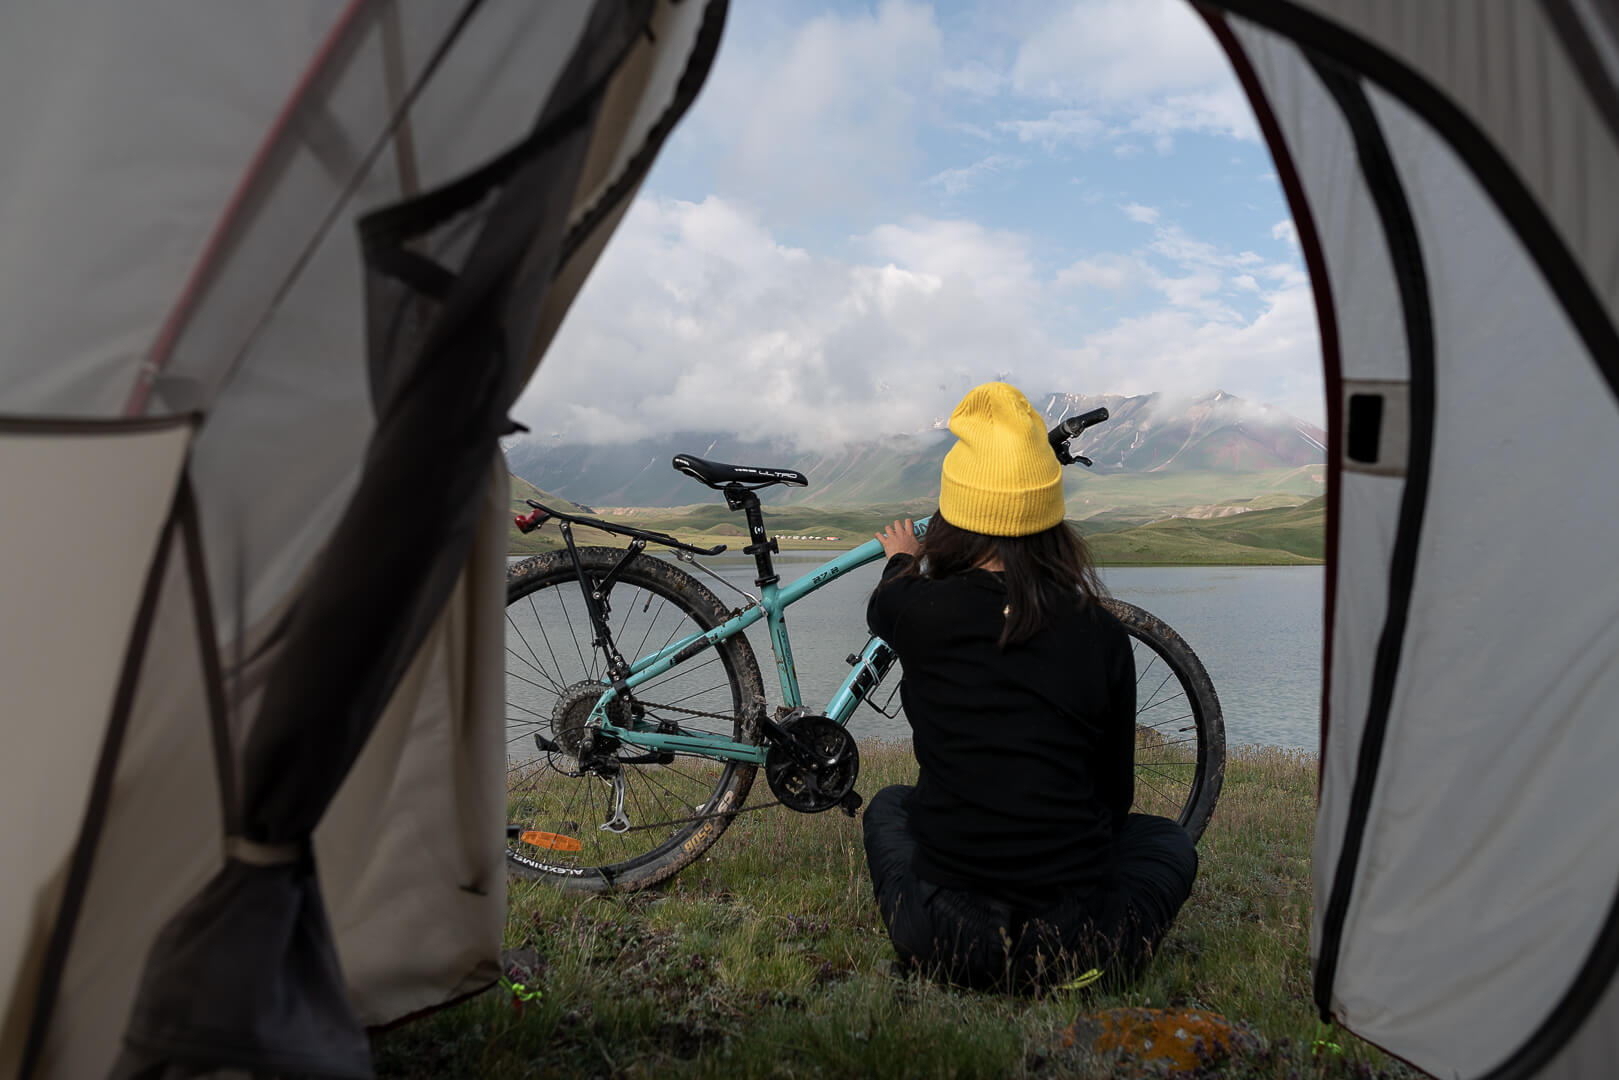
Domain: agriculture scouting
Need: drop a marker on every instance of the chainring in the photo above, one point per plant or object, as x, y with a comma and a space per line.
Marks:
572, 710
813, 786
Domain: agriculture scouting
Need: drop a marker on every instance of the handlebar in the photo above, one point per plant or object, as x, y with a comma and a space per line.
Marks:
1069, 429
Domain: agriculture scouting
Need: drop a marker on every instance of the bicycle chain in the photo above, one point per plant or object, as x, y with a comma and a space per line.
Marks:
648, 706
682, 709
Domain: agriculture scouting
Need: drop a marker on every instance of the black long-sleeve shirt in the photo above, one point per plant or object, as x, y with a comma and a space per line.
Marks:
1027, 754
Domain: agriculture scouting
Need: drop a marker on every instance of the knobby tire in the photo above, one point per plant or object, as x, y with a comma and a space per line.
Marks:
549, 655
1180, 732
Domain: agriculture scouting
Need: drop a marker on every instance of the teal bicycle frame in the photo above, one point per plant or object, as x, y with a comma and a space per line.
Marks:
874, 660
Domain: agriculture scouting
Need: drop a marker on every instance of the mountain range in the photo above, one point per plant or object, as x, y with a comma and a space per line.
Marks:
1153, 450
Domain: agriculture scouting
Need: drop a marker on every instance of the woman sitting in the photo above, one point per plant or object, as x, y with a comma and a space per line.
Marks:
1015, 860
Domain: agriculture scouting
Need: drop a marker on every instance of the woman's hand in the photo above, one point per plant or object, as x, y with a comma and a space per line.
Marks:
899, 538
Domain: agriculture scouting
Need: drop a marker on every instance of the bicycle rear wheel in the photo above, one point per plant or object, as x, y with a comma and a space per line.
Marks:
554, 675
1180, 733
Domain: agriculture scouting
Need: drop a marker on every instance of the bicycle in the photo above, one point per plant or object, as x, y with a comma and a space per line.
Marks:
642, 759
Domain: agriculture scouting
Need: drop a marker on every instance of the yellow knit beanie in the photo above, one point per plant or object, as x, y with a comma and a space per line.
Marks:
1001, 478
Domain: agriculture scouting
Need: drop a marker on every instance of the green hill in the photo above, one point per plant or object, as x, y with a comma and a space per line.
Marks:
1106, 502
1275, 535
795, 528
1279, 536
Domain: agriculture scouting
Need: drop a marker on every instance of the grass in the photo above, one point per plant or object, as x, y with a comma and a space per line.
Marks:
1114, 500
1287, 535
1271, 535
766, 958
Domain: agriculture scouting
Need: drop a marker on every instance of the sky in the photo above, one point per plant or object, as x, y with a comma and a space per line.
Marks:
873, 207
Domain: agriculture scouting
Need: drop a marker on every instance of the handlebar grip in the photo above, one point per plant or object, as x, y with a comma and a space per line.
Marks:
1072, 426
1076, 424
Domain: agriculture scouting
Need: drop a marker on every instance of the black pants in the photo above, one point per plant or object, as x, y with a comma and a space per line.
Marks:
976, 941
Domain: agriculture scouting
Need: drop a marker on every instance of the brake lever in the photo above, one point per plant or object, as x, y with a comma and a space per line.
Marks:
1066, 458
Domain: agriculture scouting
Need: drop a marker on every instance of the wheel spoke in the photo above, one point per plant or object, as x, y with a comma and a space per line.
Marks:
651, 609
1155, 693
1176, 776
550, 650
534, 666
1160, 725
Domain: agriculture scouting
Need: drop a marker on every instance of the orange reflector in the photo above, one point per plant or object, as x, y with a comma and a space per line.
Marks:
554, 841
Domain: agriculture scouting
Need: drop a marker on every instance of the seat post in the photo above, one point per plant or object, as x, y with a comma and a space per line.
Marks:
738, 497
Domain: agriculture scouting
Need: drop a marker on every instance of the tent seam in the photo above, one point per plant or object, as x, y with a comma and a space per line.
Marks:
1572, 35
95, 814
208, 648
1519, 207
1405, 256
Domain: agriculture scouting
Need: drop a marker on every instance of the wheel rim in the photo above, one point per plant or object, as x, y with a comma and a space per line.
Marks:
1169, 745
555, 818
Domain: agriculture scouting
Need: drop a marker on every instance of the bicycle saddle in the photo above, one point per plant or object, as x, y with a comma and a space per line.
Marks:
717, 474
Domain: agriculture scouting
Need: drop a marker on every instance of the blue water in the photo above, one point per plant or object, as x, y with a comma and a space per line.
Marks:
1256, 629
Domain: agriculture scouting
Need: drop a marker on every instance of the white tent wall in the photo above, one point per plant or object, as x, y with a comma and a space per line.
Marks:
1359, 285
179, 199
1476, 932
71, 587
1496, 806
159, 838
278, 460
1502, 65
112, 208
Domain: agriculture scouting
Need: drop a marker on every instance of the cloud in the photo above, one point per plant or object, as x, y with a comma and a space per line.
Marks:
1285, 231
1228, 319
1078, 127
822, 113
1136, 212
968, 177
1149, 67
974, 77
698, 318
1112, 272
996, 265
1274, 358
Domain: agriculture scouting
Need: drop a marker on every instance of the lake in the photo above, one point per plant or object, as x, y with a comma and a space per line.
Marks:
1257, 630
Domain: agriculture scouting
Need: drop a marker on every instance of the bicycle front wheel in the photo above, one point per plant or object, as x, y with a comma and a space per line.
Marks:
1180, 733
558, 813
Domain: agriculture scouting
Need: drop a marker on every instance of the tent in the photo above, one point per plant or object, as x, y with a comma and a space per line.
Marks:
272, 276
1453, 170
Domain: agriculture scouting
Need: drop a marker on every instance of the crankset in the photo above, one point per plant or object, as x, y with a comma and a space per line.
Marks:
813, 768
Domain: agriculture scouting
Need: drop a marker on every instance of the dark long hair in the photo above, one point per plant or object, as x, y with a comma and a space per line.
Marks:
1043, 571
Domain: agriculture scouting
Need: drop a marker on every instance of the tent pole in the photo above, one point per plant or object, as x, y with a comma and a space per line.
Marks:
261, 170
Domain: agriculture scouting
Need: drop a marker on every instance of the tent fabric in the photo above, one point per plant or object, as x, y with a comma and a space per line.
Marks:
331, 241
81, 600
274, 276
1456, 162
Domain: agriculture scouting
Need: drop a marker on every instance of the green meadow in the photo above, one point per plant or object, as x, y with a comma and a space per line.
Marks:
1267, 529
767, 959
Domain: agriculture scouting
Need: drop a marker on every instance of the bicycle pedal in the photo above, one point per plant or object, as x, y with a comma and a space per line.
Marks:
850, 803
